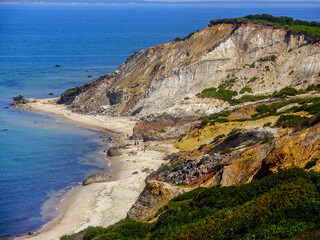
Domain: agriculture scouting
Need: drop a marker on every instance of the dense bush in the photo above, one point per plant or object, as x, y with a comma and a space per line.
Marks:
221, 93
298, 25
284, 92
311, 163
281, 206
246, 89
290, 120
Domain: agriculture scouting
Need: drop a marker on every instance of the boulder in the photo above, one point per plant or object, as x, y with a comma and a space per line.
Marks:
97, 177
20, 99
113, 151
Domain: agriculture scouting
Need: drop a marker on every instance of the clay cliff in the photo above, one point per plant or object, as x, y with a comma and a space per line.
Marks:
167, 78
239, 99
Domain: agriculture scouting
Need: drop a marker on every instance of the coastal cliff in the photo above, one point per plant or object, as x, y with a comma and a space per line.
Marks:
240, 100
167, 78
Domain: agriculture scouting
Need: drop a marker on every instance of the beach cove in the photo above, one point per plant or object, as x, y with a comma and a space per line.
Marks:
103, 203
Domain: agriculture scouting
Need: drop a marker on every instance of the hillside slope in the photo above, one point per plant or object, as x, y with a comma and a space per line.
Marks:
168, 77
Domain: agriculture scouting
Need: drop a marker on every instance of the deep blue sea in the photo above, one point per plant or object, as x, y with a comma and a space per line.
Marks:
41, 156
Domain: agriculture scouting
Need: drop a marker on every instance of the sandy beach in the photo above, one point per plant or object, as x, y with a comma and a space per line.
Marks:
102, 204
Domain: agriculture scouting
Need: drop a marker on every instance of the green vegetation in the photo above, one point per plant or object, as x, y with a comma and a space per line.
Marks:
220, 93
311, 163
246, 89
252, 79
72, 89
268, 58
267, 68
314, 87
226, 151
252, 65
268, 124
290, 120
202, 146
218, 137
178, 39
290, 50
281, 206
182, 184
163, 168
297, 25
285, 92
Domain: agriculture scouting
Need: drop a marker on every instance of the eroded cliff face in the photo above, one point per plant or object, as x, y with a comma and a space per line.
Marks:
167, 78
206, 168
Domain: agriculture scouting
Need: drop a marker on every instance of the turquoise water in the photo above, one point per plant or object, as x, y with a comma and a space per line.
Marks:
40, 156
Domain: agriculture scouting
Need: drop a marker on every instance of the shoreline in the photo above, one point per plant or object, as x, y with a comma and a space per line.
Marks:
103, 203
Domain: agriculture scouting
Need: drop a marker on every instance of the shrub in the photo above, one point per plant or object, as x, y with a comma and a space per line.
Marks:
163, 168
287, 91
291, 72
220, 93
268, 58
252, 79
313, 87
267, 68
246, 89
268, 124
289, 120
218, 137
204, 122
252, 65
202, 146
182, 184
290, 50
311, 163
226, 151
221, 120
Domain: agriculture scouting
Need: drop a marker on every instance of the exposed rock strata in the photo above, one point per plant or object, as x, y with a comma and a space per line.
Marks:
167, 77
155, 195
240, 166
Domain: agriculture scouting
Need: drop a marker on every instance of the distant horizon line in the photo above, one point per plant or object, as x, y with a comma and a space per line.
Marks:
232, 2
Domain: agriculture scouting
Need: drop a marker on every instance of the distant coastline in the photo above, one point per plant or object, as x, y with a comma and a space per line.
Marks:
125, 2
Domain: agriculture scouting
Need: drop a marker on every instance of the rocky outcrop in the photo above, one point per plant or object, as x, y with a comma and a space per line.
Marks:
113, 151
162, 127
168, 77
94, 178
18, 100
154, 196
69, 96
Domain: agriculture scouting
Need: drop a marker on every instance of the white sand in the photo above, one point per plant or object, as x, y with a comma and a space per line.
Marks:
102, 204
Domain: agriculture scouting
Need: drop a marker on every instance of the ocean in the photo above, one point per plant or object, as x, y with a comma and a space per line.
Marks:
43, 157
